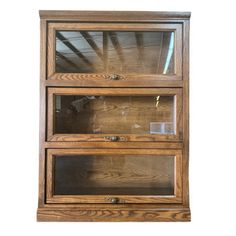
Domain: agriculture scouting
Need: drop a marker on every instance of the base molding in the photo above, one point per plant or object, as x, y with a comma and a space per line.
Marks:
106, 215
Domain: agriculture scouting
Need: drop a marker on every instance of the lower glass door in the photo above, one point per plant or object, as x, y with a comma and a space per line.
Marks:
113, 176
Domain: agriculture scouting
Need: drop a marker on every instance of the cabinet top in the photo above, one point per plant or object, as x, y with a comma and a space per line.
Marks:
113, 16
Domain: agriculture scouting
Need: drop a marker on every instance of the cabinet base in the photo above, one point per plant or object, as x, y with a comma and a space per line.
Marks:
62, 214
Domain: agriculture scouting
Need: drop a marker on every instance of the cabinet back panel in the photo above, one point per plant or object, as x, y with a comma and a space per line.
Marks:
110, 114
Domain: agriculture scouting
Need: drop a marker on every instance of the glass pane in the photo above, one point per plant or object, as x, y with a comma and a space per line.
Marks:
114, 114
117, 174
115, 52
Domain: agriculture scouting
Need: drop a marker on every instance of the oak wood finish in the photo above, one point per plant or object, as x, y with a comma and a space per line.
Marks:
114, 16
101, 78
42, 111
132, 207
186, 113
113, 114
117, 215
52, 136
120, 145
176, 198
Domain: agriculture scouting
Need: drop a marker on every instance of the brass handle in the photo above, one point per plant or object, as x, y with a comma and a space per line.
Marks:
114, 200
114, 77
113, 138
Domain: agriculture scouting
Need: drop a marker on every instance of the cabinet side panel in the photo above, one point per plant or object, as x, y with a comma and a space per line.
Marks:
42, 127
186, 112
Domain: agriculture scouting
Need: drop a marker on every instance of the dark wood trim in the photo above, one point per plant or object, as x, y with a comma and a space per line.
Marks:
95, 206
123, 138
186, 113
122, 145
176, 198
42, 118
112, 16
105, 215
103, 79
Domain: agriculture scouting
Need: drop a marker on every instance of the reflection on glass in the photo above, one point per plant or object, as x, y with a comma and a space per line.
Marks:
115, 52
116, 174
114, 114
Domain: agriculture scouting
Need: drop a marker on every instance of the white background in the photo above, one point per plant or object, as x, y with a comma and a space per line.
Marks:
213, 132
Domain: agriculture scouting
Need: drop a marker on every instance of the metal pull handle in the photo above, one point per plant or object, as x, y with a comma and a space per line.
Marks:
114, 200
114, 77
113, 138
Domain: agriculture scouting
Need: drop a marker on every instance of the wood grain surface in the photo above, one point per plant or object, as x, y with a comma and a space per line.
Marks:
114, 215
170, 109
109, 114
113, 16
147, 76
98, 174
129, 207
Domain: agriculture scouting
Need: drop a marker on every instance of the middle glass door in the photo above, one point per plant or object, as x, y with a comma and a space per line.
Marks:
81, 114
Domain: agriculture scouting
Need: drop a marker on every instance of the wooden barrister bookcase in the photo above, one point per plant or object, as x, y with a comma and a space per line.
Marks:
114, 126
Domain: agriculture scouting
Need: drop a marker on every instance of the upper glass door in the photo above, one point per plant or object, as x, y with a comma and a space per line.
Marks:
114, 54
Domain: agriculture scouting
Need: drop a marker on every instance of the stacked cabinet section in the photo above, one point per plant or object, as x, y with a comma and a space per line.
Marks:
114, 114
114, 176
114, 54
114, 126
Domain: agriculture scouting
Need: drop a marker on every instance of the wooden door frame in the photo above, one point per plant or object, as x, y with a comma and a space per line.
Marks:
102, 79
51, 198
176, 92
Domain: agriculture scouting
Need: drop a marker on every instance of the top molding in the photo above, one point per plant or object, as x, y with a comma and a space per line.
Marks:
113, 16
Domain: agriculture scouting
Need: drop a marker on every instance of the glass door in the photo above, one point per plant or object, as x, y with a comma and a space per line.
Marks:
113, 176
114, 54
114, 115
